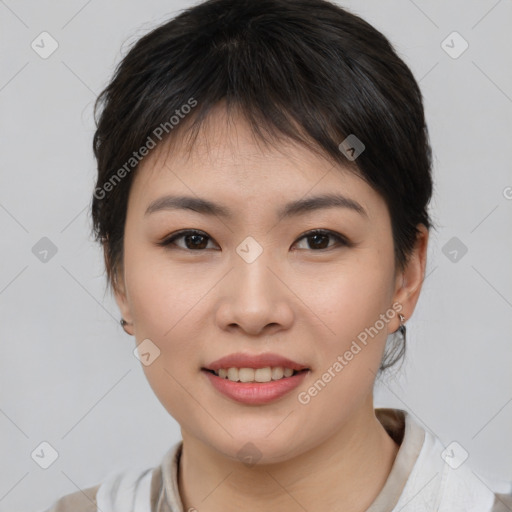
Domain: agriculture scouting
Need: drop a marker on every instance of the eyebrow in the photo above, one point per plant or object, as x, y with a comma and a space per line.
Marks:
293, 208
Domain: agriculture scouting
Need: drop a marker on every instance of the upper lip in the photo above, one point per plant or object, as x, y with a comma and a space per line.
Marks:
241, 360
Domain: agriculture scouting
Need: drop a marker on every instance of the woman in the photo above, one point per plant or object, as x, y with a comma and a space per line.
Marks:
264, 172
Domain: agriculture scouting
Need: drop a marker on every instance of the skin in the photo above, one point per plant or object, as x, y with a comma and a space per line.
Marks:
302, 302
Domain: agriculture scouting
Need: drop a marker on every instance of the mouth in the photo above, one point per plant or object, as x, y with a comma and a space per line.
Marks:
254, 379
255, 375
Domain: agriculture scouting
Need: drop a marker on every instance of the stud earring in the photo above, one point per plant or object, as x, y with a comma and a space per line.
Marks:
123, 323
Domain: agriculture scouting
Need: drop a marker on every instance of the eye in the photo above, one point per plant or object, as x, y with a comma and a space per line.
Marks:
194, 240
320, 236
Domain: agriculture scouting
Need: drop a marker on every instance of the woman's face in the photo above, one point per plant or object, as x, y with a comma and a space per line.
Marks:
252, 283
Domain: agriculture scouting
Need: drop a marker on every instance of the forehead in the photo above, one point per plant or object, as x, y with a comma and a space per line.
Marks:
230, 163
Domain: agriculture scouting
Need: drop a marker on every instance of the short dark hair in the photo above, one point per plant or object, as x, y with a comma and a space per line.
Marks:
306, 70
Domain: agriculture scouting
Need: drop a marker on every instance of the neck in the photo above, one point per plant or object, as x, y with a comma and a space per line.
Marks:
345, 472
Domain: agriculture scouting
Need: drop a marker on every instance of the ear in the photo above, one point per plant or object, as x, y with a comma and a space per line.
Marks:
410, 280
122, 300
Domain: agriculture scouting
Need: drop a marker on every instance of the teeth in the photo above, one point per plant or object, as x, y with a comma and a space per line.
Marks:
266, 374
245, 374
233, 374
277, 373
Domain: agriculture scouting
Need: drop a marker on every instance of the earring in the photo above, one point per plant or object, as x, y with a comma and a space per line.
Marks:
402, 327
123, 322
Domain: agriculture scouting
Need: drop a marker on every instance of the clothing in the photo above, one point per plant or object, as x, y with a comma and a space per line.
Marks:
420, 480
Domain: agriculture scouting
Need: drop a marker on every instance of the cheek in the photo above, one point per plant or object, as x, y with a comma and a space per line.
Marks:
161, 294
348, 357
164, 300
350, 298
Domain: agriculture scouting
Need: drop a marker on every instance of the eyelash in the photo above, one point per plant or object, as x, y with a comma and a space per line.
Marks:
181, 234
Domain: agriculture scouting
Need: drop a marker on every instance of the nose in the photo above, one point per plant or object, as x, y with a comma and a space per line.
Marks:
255, 298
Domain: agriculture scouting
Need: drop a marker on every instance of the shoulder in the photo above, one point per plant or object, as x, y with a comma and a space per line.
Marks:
502, 503
145, 487
80, 501
133, 485
442, 479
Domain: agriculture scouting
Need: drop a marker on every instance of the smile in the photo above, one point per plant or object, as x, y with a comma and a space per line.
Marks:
252, 392
266, 374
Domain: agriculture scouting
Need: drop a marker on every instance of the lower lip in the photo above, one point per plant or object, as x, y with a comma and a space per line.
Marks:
255, 393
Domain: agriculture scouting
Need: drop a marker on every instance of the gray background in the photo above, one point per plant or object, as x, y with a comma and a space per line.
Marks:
67, 372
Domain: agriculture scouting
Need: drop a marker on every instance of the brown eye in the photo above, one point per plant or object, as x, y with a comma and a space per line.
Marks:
319, 239
193, 240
